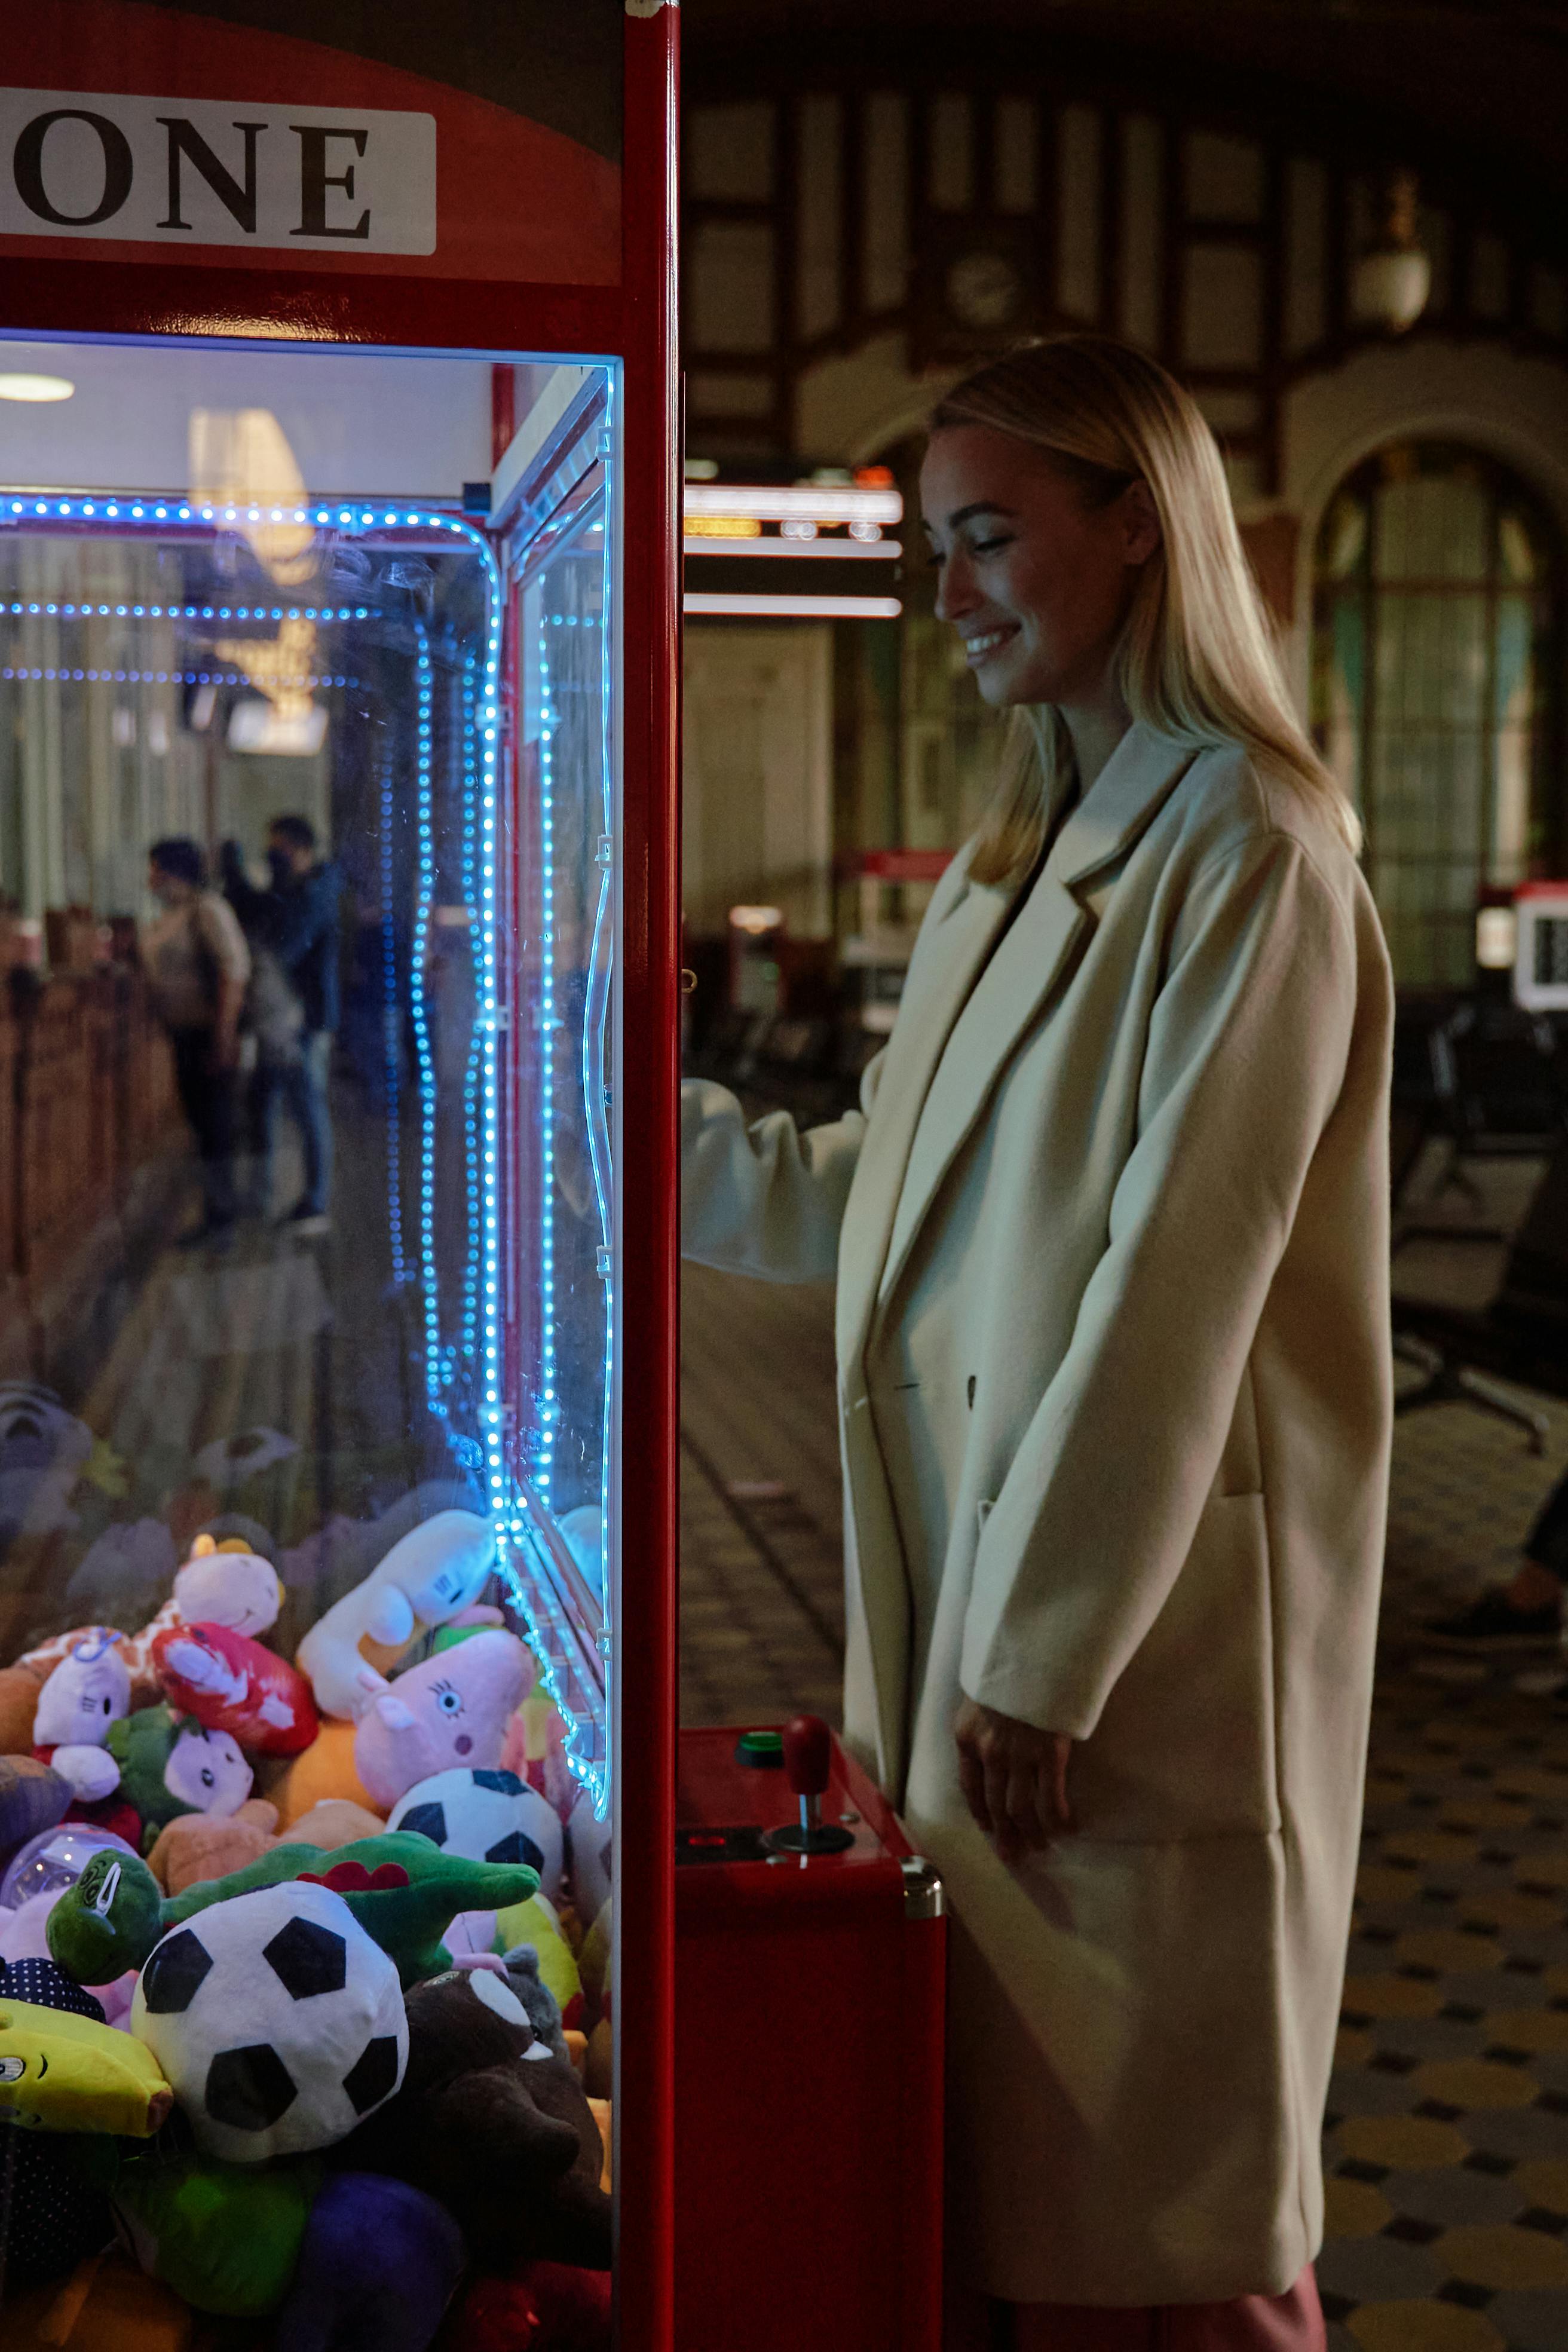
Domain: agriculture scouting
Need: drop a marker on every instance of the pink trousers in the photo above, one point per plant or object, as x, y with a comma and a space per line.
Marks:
1292, 2322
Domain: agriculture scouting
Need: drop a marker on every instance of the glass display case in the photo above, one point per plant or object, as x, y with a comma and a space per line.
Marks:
338, 986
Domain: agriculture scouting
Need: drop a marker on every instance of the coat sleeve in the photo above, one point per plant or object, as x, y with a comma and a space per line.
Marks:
764, 1199
1245, 1053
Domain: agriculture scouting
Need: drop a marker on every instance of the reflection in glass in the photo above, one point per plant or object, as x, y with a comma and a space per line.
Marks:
321, 1372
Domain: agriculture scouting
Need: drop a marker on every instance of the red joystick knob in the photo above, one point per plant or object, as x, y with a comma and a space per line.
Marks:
808, 1762
808, 1754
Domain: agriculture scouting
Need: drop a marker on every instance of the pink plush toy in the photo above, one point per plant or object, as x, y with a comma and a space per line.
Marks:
454, 1709
231, 1683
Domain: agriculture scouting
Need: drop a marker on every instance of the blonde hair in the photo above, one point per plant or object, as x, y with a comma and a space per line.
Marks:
1196, 659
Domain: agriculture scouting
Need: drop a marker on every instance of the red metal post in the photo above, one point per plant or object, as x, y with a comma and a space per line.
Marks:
651, 900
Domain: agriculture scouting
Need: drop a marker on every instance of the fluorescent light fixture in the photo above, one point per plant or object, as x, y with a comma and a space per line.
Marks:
799, 551
813, 504
36, 388
290, 734
792, 608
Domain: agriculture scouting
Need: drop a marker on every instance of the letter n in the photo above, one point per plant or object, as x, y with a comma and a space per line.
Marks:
188, 145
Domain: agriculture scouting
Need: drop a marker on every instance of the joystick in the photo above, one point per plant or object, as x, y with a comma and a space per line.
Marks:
808, 1761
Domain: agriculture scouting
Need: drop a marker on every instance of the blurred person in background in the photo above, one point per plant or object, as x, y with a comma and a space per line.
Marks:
197, 967
293, 924
1110, 1235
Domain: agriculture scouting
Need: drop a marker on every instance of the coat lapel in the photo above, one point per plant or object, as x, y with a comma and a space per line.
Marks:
1040, 949
951, 951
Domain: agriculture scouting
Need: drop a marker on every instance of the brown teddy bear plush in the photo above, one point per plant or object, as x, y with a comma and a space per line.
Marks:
494, 2126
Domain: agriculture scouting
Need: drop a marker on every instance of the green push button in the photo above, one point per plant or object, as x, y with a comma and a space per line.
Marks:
763, 1749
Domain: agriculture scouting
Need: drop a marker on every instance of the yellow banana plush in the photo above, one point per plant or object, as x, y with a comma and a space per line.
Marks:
63, 2073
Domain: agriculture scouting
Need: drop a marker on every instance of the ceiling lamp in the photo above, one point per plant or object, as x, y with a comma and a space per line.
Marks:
35, 387
1392, 280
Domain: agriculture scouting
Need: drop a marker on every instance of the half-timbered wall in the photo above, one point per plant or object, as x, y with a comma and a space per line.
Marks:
926, 225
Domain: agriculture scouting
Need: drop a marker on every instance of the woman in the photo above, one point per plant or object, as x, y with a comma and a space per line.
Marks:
1114, 1384
197, 965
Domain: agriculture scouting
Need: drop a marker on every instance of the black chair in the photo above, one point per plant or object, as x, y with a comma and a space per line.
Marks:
1522, 1335
1488, 1080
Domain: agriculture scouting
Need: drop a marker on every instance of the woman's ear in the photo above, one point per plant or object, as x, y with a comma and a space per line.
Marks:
1141, 523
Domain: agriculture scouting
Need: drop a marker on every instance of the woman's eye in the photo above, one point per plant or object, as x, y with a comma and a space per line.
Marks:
989, 546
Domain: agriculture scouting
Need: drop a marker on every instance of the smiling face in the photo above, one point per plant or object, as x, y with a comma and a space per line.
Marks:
1035, 577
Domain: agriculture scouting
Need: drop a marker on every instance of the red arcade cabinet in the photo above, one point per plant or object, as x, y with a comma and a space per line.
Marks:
338, 483
338, 1174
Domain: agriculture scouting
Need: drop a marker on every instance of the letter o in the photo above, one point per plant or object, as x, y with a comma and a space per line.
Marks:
27, 167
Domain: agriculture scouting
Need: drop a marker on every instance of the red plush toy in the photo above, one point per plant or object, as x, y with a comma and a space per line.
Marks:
547, 2307
231, 1683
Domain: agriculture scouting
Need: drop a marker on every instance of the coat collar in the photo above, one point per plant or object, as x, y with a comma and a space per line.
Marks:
1123, 800
930, 1100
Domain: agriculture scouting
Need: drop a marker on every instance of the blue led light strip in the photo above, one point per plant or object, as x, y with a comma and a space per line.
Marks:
471, 1073
549, 1403
391, 1027
437, 1371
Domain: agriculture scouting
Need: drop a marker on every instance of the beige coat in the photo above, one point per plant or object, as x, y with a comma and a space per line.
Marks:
1110, 1238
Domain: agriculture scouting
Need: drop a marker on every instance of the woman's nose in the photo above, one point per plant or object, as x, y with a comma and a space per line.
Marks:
955, 589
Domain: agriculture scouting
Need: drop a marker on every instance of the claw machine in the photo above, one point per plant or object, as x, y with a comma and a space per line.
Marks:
338, 1048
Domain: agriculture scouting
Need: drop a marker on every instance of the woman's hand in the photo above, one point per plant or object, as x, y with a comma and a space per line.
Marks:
1015, 1780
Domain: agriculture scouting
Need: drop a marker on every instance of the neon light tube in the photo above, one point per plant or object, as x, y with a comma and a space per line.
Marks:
792, 608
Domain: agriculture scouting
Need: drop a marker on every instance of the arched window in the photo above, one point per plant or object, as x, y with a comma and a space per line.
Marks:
1435, 637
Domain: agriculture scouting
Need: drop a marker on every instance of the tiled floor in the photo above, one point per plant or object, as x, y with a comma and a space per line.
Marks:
1448, 2141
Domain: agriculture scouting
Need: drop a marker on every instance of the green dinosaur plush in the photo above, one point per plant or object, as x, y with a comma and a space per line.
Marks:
402, 1889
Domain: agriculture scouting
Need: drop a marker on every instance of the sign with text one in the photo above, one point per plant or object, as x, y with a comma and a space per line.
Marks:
185, 172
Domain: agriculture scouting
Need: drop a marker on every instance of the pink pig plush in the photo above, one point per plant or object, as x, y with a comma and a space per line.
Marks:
452, 1710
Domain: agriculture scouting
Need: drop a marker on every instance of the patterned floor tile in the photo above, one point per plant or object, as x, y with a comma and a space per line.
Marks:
1377, 2269
1531, 2320
1424, 2327
1448, 2196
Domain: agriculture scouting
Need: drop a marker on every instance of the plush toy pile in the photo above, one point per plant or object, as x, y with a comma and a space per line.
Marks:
303, 1975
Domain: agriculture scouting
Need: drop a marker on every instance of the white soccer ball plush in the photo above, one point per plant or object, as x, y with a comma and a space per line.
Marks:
278, 2025
486, 1816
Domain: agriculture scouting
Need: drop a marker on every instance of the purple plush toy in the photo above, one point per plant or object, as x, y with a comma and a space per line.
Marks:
377, 2269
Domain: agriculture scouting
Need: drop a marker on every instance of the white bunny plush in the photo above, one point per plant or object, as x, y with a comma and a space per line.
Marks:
87, 1692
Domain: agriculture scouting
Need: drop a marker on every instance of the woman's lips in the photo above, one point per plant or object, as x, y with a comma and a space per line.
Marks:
980, 648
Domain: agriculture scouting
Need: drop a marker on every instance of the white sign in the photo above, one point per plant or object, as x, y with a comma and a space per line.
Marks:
187, 171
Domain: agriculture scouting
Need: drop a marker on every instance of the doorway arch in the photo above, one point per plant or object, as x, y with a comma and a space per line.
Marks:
1436, 651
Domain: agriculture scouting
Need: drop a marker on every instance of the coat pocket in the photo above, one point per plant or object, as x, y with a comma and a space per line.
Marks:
1185, 1744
